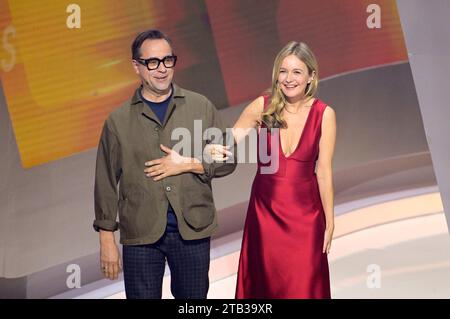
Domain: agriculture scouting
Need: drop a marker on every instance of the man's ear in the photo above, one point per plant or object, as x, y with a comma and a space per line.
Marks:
135, 66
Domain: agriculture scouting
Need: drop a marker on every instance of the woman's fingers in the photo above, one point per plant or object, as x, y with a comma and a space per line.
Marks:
218, 152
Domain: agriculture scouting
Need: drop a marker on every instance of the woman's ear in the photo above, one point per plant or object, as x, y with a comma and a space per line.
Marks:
313, 74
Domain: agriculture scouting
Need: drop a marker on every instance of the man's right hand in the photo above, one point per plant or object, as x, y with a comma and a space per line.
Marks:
109, 255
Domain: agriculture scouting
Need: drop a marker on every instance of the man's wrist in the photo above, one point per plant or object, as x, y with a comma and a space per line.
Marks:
193, 165
106, 237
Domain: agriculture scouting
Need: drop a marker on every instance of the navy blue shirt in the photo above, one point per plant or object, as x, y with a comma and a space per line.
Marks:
160, 110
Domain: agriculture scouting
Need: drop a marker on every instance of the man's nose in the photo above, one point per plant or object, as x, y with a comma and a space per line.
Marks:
161, 68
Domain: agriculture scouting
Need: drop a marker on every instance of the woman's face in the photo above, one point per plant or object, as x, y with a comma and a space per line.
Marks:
293, 77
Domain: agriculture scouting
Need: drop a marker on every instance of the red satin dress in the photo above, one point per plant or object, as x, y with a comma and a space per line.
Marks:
281, 254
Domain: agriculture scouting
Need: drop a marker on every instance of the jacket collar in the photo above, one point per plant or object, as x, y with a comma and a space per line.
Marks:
177, 96
177, 93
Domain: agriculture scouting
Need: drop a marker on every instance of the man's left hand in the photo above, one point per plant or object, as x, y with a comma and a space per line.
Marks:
169, 165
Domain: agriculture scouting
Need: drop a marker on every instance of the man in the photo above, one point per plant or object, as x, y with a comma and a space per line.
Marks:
164, 199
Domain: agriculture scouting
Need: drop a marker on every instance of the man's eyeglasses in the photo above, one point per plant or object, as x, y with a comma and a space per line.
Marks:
153, 63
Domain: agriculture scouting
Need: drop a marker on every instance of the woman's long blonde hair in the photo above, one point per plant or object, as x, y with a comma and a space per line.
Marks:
272, 117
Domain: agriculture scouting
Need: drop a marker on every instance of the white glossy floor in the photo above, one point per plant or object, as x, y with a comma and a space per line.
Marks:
399, 248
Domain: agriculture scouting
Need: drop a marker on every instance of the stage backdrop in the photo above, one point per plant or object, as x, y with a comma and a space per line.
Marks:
72, 64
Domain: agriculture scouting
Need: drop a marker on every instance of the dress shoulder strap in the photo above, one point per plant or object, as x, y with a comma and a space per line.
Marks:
321, 106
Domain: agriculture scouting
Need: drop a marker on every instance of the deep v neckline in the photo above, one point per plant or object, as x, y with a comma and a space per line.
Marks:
301, 134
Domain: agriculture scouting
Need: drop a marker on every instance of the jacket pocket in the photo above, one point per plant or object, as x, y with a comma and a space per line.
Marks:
132, 214
198, 207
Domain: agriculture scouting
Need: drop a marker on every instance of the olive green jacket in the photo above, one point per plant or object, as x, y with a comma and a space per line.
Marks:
131, 136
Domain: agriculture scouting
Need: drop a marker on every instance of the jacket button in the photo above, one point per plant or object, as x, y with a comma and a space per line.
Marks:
157, 129
168, 188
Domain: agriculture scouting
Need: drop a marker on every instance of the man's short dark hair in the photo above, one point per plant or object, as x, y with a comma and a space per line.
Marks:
152, 34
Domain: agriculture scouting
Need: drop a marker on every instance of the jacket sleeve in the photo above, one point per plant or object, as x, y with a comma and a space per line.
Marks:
107, 176
218, 169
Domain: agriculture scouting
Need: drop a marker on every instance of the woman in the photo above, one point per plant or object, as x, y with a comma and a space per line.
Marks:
289, 224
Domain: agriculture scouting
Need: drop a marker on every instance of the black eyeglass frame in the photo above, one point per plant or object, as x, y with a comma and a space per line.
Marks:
163, 60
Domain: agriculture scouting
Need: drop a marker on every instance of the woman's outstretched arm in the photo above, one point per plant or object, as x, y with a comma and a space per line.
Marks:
249, 119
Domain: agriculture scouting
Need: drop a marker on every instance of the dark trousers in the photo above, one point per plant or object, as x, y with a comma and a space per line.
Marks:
144, 265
